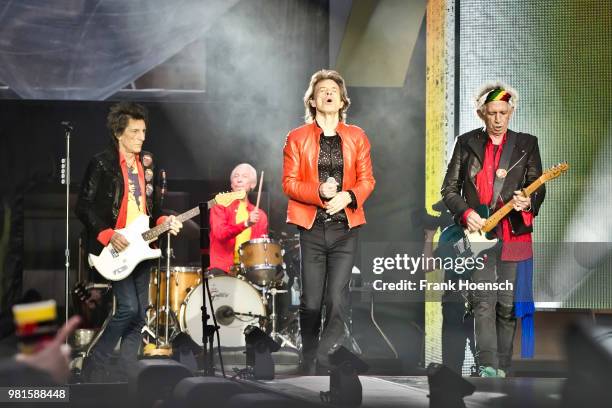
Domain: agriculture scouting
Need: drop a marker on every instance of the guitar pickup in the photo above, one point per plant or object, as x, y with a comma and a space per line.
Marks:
463, 248
113, 252
119, 270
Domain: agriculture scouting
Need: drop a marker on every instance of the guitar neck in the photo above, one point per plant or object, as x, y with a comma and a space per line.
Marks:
498, 215
155, 232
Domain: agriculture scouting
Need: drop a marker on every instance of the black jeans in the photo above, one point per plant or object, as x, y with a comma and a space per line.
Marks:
132, 297
494, 320
328, 255
457, 327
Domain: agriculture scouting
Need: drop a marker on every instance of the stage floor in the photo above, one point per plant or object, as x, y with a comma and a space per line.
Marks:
378, 392
383, 392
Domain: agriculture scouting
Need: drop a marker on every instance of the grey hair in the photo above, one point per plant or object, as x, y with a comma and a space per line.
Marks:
481, 95
251, 170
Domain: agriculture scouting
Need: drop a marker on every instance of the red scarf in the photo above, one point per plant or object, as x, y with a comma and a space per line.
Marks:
486, 177
515, 247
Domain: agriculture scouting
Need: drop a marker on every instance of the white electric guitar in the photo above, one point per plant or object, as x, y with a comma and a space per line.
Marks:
115, 265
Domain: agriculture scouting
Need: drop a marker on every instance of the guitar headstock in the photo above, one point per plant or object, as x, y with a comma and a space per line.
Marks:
554, 171
226, 199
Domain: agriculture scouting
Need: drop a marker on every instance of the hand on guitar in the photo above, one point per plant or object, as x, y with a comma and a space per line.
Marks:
175, 225
520, 202
474, 221
119, 242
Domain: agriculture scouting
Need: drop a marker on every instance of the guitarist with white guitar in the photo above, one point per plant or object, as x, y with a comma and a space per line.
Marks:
489, 168
119, 190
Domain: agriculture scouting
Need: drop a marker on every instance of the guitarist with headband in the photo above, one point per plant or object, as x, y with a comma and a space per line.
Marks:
490, 166
119, 186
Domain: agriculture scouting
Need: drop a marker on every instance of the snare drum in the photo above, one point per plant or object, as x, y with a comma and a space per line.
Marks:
182, 280
236, 303
262, 261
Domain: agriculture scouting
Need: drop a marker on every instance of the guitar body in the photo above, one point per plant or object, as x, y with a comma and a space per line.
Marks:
459, 242
116, 266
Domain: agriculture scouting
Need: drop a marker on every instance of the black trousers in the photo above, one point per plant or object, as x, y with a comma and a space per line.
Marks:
457, 326
494, 320
328, 255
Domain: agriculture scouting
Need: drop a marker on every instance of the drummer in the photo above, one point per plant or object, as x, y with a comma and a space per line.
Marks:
235, 224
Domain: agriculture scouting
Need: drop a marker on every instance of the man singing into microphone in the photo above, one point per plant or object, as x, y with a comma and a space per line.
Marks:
327, 175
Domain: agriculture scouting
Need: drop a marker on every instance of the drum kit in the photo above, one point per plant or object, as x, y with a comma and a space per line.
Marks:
246, 296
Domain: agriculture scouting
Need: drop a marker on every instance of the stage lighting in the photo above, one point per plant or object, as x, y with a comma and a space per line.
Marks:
447, 388
259, 347
344, 385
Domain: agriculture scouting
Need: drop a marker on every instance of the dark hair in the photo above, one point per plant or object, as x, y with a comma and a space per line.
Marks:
119, 115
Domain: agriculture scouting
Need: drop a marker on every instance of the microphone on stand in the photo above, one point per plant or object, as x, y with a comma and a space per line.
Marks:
68, 126
65, 180
164, 186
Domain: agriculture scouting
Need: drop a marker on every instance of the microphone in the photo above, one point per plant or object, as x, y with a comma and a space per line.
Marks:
68, 126
332, 181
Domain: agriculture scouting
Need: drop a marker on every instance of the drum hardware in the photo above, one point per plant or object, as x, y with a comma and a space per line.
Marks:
84, 340
278, 337
163, 348
205, 360
91, 301
237, 305
183, 279
261, 259
81, 338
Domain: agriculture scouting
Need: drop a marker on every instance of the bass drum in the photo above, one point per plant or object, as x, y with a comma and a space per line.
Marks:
233, 301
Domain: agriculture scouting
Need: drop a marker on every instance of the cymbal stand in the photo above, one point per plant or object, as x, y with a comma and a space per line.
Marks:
163, 347
206, 361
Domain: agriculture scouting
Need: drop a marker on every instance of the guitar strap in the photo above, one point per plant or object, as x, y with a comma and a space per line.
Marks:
504, 162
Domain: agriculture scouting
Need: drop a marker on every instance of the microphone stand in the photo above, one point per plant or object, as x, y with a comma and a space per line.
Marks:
162, 195
65, 179
206, 362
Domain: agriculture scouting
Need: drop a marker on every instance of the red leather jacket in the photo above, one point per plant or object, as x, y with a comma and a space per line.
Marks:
301, 172
223, 231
